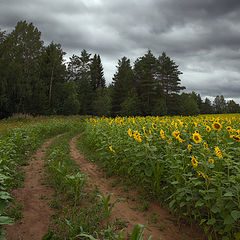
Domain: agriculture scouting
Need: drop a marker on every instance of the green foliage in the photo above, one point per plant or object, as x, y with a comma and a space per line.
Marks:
131, 105
144, 70
102, 102
123, 84
97, 75
189, 105
16, 145
206, 191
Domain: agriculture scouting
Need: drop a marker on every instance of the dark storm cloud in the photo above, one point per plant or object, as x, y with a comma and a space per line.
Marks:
202, 36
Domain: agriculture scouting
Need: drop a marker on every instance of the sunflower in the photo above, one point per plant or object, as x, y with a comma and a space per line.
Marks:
144, 131
180, 139
208, 128
197, 137
111, 149
217, 126
175, 133
189, 147
218, 152
211, 160
236, 138
228, 128
154, 126
162, 134
150, 131
194, 161
137, 136
130, 132
205, 145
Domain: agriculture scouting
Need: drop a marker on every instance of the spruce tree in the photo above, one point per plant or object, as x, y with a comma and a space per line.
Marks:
145, 71
123, 83
167, 75
97, 74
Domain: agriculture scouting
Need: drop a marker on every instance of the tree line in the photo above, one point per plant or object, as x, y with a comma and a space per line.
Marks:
35, 79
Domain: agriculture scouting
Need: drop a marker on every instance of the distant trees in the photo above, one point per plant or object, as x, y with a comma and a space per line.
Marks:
20, 68
35, 79
123, 86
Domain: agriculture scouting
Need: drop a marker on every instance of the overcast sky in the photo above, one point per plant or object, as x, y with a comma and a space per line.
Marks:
201, 36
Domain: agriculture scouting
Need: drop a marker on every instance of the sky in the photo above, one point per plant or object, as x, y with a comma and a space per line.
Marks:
201, 36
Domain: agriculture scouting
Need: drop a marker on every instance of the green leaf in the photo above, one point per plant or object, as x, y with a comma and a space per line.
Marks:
199, 203
148, 172
6, 220
228, 194
225, 238
215, 209
211, 221
182, 204
228, 220
237, 236
202, 221
172, 203
235, 214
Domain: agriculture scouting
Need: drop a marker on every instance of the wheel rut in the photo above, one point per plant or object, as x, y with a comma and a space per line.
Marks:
34, 196
164, 228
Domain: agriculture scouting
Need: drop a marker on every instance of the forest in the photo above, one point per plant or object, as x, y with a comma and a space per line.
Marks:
35, 79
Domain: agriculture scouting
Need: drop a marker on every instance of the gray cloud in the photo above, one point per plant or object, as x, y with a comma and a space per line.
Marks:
203, 37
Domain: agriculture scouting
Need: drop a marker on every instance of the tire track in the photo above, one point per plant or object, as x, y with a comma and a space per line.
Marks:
35, 197
164, 228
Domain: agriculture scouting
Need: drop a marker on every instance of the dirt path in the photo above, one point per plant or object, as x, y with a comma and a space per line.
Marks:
35, 197
164, 227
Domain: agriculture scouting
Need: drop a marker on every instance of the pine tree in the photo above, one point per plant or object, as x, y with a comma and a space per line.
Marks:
145, 71
167, 75
80, 72
97, 74
207, 107
198, 100
123, 83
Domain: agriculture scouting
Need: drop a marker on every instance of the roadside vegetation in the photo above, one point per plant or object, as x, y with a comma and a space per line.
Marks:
17, 144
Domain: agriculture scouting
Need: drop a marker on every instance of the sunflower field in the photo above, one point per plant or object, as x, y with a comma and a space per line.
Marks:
190, 163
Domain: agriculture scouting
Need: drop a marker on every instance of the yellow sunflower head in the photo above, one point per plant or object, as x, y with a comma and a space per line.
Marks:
197, 138
208, 128
194, 162
189, 147
154, 126
228, 128
111, 149
176, 133
205, 145
130, 132
137, 136
217, 126
211, 160
236, 138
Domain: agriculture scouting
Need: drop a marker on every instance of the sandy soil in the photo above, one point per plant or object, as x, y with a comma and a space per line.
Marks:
165, 228
35, 197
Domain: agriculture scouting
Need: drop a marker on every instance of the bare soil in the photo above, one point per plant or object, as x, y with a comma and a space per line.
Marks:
161, 223
34, 196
